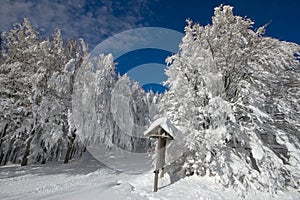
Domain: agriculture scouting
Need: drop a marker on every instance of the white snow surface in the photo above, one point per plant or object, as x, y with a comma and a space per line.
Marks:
88, 179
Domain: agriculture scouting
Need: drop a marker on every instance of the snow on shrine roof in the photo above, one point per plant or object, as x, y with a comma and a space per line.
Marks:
163, 123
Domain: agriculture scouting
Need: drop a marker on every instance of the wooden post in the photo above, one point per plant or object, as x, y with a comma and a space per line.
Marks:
160, 157
156, 172
160, 153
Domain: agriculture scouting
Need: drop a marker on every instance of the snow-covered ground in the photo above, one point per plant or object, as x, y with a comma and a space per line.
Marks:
88, 179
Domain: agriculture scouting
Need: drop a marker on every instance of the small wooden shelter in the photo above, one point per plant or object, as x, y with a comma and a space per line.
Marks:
162, 130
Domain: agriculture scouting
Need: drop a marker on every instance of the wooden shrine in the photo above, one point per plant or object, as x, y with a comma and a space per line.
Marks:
162, 130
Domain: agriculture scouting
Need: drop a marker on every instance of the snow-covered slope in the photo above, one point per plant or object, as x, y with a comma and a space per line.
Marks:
89, 179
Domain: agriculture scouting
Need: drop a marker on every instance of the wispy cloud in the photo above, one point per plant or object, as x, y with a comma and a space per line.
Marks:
92, 20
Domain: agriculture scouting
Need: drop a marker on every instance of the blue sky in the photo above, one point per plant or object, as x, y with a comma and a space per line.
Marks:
97, 20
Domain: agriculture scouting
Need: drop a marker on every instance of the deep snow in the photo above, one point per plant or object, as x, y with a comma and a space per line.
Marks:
87, 178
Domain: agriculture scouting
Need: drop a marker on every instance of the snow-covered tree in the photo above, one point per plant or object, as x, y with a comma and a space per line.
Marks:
37, 84
111, 110
234, 92
19, 53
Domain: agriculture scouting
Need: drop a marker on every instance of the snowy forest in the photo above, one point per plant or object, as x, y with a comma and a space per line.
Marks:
37, 86
234, 93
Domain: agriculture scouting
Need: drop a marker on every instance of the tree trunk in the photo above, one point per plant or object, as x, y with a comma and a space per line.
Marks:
3, 134
8, 152
73, 151
67, 158
70, 147
1, 157
26, 153
57, 157
14, 155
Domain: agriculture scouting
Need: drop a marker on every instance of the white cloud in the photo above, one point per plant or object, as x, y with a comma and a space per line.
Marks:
93, 20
